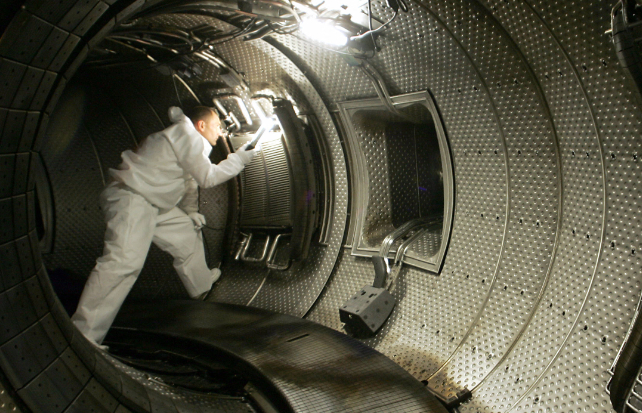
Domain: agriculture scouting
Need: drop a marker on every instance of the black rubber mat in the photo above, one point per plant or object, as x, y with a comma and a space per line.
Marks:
316, 369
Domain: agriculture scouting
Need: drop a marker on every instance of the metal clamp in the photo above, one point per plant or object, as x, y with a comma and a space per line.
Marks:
401, 252
270, 259
246, 247
383, 270
390, 239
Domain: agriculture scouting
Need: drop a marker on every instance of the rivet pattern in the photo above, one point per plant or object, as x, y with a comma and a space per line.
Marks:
6, 402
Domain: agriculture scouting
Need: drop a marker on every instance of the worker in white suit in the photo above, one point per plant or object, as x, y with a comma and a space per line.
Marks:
153, 198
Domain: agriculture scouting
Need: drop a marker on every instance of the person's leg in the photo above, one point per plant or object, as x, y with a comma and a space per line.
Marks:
175, 234
130, 228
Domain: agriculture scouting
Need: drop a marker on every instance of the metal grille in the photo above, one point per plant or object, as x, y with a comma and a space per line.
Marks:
267, 188
635, 399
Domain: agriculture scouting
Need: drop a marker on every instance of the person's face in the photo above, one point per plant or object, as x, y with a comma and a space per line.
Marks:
210, 129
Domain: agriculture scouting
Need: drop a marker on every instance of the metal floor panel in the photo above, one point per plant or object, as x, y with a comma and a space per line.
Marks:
313, 367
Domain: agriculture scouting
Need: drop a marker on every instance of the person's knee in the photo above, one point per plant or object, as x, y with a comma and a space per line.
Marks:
124, 264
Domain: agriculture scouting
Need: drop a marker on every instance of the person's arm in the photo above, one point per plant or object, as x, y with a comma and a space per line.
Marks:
189, 148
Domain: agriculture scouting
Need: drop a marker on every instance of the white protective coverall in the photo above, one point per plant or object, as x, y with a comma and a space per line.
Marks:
153, 191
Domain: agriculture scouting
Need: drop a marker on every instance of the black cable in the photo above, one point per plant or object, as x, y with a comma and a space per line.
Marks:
372, 32
280, 30
395, 5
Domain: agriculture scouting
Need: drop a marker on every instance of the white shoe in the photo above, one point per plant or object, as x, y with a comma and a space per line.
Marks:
99, 346
216, 274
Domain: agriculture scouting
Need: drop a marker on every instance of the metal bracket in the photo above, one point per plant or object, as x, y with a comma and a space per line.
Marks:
270, 259
246, 247
381, 264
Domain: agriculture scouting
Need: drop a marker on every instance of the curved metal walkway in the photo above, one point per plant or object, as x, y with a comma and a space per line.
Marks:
314, 368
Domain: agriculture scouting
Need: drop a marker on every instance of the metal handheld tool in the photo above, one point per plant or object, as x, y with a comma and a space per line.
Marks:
266, 126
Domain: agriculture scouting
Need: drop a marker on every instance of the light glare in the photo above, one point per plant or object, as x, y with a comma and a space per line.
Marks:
324, 33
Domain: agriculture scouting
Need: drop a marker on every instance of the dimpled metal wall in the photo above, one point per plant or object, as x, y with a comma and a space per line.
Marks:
542, 273
541, 276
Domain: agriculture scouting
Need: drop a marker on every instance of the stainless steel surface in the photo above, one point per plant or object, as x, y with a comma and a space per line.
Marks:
264, 252
370, 180
265, 68
267, 188
425, 247
294, 292
270, 261
542, 274
527, 196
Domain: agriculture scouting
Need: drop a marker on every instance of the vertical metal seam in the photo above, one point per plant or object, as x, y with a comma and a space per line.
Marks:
258, 290
603, 231
127, 124
160, 121
414, 140
508, 189
93, 146
560, 198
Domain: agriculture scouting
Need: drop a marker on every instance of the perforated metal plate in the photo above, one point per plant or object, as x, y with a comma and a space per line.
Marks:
545, 138
503, 253
376, 173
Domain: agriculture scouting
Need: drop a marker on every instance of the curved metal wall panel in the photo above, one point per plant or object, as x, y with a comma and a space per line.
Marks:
547, 349
542, 112
529, 233
293, 291
454, 299
587, 307
93, 124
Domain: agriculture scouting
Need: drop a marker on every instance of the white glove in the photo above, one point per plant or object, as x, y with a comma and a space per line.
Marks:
247, 156
199, 219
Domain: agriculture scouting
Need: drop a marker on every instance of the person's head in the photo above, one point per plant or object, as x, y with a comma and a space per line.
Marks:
206, 122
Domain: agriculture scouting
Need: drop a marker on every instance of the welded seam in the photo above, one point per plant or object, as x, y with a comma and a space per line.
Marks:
603, 232
160, 121
508, 193
267, 274
186, 86
93, 146
560, 204
131, 132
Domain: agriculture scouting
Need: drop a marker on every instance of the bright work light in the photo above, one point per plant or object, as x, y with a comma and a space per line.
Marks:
323, 32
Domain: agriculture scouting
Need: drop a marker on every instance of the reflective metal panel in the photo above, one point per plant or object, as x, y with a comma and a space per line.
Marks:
371, 189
